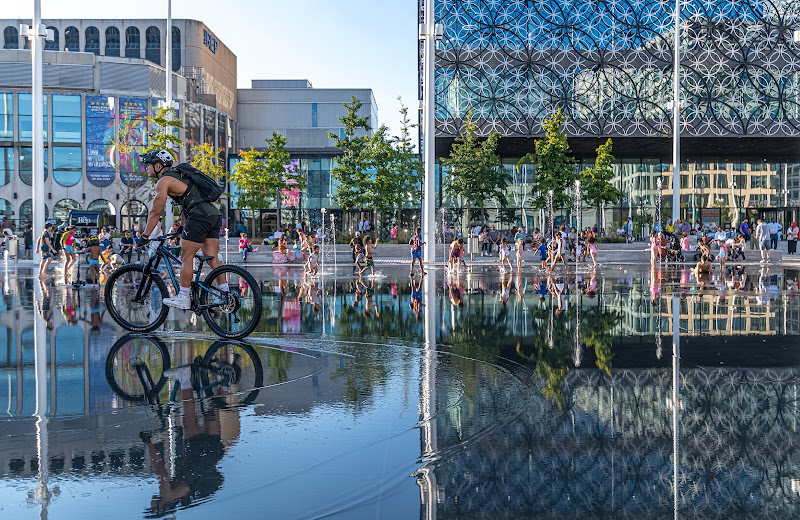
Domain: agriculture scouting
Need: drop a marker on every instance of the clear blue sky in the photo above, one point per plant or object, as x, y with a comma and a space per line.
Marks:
344, 43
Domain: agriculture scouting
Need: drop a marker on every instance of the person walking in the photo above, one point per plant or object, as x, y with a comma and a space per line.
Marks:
46, 246
791, 238
416, 244
393, 234
762, 235
774, 230
744, 229
27, 237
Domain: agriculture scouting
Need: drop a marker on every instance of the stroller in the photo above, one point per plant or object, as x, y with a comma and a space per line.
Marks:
674, 252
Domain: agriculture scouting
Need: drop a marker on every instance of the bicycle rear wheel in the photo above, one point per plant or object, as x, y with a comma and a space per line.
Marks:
236, 314
232, 368
139, 314
135, 367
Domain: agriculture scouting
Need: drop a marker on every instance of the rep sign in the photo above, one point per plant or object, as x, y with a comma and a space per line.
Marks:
209, 41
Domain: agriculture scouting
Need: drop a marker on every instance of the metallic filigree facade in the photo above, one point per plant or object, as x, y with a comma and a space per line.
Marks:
608, 65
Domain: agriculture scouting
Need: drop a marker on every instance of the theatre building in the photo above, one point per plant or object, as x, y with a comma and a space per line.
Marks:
102, 79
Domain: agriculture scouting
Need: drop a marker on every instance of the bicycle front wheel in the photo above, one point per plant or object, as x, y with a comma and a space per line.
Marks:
235, 314
232, 368
135, 367
134, 299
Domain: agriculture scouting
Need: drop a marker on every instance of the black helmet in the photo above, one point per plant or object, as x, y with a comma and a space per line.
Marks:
157, 156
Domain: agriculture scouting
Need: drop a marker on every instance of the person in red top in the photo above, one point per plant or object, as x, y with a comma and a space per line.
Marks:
416, 251
68, 239
244, 245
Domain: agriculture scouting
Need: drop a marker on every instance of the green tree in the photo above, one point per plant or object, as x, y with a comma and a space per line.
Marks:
595, 182
409, 169
555, 165
474, 170
206, 159
166, 126
261, 176
351, 170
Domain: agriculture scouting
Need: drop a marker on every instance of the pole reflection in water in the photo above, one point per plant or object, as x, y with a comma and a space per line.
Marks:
426, 477
42, 494
676, 405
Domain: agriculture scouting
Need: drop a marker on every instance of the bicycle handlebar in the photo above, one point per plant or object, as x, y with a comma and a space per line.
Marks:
164, 238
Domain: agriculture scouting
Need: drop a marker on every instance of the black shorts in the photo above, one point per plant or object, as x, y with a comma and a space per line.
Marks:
199, 228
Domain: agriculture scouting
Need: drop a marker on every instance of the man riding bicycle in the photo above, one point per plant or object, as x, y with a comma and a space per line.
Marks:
201, 222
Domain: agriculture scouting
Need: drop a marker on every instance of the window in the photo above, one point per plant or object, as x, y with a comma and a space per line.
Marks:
132, 213
6, 117
66, 118
26, 210
758, 181
53, 45
24, 106
11, 38
72, 39
721, 180
6, 209
313, 115
67, 163
26, 164
62, 208
176, 49
6, 165
92, 40
152, 49
107, 212
702, 180
684, 181
112, 41
132, 43
740, 181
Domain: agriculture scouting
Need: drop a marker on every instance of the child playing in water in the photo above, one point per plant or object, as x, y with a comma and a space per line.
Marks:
505, 256
520, 249
723, 255
94, 251
68, 241
542, 249
592, 247
369, 249
416, 251
358, 253
312, 265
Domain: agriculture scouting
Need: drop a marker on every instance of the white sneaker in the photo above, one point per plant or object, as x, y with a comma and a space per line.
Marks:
179, 302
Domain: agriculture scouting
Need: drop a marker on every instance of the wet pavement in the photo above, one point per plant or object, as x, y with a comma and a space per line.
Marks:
466, 395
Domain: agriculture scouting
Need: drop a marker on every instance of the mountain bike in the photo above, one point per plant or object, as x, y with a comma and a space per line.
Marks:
134, 294
138, 367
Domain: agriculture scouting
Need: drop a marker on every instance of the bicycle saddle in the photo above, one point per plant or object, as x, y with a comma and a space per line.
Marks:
204, 258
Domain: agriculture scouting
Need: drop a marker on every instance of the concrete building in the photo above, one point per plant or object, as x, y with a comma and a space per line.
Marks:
304, 115
102, 79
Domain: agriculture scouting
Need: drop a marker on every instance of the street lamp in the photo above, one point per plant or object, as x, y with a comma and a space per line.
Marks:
429, 33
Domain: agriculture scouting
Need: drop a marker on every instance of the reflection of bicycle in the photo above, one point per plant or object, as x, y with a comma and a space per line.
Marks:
134, 292
137, 369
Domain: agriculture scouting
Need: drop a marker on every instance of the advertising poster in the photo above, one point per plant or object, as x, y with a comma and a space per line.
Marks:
99, 166
291, 197
192, 127
209, 127
222, 141
100, 147
133, 136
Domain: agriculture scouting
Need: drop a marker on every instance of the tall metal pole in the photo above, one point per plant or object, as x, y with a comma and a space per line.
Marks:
676, 117
429, 133
168, 65
37, 35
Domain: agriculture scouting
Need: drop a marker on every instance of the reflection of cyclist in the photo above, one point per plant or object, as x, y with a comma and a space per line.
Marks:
199, 450
201, 221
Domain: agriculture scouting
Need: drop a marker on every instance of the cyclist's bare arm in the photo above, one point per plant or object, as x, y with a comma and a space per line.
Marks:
164, 187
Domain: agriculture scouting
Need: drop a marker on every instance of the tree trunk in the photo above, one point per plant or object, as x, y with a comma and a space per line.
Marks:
278, 205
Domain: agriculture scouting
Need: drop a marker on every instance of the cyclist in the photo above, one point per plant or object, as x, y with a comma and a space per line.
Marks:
201, 222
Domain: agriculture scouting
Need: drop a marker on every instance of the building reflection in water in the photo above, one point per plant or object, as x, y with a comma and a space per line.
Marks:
602, 445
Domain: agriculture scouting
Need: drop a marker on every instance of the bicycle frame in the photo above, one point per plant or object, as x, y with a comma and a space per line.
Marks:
169, 259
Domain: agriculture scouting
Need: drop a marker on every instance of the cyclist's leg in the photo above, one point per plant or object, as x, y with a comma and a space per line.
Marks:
211, 248
188, 250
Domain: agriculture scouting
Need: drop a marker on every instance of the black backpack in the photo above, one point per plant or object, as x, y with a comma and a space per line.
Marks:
207, 189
